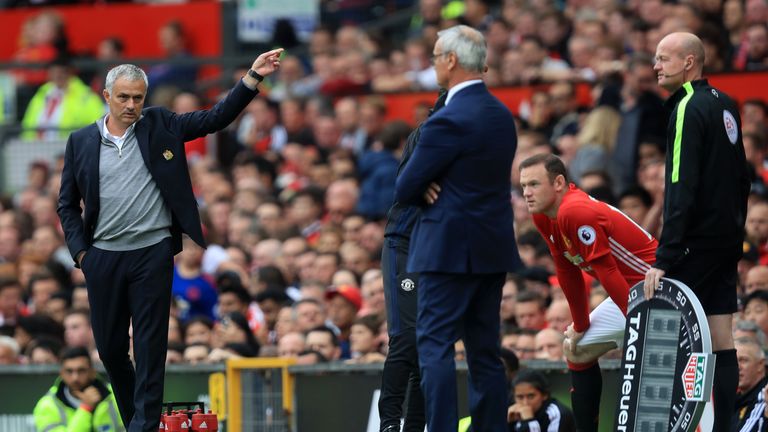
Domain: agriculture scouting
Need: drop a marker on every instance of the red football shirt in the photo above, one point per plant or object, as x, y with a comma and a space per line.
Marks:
601, 240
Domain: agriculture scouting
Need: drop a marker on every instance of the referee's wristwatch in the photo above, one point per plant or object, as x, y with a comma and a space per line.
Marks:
255, 75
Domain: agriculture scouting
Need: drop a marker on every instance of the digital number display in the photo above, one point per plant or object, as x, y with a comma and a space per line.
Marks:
658, 370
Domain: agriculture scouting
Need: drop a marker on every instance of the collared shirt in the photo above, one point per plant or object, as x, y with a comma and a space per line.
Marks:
455, 89
118, 140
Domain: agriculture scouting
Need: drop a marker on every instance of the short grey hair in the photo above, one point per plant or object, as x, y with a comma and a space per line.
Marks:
127, 71
752, 327
468, 44
757, 350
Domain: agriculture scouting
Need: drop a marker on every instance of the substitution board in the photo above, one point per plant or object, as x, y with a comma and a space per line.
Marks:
667, 364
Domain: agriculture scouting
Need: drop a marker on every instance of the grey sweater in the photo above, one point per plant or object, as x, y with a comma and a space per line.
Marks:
132, 213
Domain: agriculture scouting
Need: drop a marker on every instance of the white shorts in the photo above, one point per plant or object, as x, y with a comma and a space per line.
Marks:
606, 324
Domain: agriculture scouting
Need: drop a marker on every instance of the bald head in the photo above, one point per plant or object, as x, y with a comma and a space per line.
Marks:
690, 44
679, 59
686, 44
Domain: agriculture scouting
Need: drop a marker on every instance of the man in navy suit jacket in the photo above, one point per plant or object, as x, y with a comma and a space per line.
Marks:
130, 170
463, 243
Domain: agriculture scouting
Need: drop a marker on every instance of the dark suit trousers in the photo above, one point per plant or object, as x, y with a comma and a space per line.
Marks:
132, 284
451, 305
401, 368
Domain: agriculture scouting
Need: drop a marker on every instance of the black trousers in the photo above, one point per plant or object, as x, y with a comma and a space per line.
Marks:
132, 287
400, 379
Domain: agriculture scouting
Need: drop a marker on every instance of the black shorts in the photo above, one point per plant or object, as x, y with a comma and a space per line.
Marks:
399, 287
712, 275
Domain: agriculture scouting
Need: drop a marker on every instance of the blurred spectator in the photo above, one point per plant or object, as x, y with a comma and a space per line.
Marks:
198, 330
174, 328
11, 305
293, 118
509, 334
419, 75
757, 228
61, 105
9, 351
291, 248
754, 113
234, 329
38, 175
753, 53
260, 130
323, 340
750, 403
525, 344
537, 284
537, 116
529, 311
325, 266
175, 353
499, 40
756, 11
635, 202
549, 345
270, 302
286, 322
596, 139
756, 279
564, 109
291, 345
744, 329
44, 350
372, 288
715, 49
756, 309
755, 152
531, 244
265, 253
190, 285
33, 326
373, 111
344, 277
343, 304
534, 408
539, 65
304, 211
378, 168
509, 293
80, 297
641, 116
341, 199
175, 73
79, 398
512, 69
78, 331
187, 102
42, 285
748, 261
559, 315
309, 314
42, 39
364, 341
196, 353
347, 114
289, 76
58, 305
110, 51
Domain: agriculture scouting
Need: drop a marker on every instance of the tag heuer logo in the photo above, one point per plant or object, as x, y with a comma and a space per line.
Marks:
693, 377
407, 285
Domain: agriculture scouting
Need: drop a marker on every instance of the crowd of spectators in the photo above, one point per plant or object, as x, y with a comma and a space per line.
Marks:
294, 194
